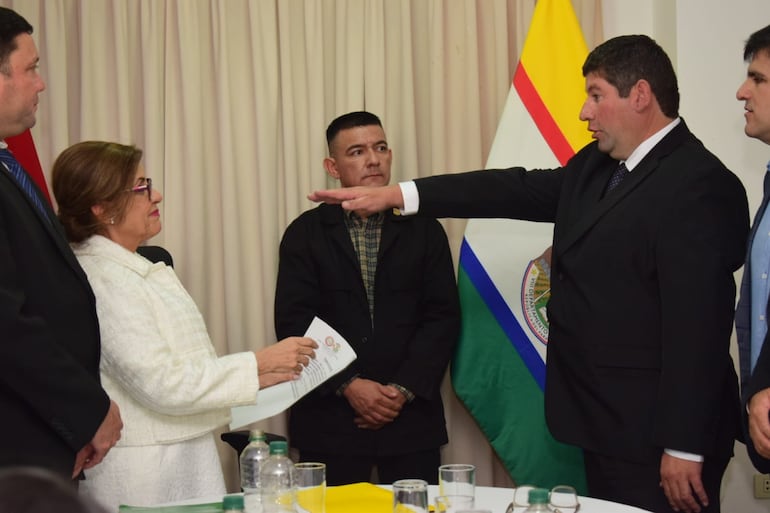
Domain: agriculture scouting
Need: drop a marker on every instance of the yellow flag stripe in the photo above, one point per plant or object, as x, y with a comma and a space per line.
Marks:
553, 65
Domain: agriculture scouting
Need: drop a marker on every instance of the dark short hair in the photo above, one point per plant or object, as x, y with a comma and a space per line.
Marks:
759, 41
350, 120
623, 61
37, 490
93, 173
11, 25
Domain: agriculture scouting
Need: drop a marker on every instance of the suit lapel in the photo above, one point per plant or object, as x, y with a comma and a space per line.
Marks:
590, 203
332, 216
390, 233
350, 274
52, 227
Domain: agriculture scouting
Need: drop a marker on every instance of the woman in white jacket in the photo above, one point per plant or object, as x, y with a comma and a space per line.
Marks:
157, 360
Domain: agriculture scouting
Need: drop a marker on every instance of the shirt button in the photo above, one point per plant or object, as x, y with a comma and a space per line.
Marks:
761, 317
764, 276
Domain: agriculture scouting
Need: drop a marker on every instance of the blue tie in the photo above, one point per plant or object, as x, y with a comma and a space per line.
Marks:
22, 178
620, 173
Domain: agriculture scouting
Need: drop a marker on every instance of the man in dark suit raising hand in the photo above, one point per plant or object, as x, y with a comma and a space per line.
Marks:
649, 227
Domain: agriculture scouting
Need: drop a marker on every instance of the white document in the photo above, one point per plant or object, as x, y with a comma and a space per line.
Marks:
333, 354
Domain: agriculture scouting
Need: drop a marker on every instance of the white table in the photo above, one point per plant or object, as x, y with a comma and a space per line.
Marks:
494, 499
497, 499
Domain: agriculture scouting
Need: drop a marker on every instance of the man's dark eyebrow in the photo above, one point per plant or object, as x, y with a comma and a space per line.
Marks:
353, 147
357, 146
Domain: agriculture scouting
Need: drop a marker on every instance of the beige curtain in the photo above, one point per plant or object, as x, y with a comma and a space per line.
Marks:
230, 100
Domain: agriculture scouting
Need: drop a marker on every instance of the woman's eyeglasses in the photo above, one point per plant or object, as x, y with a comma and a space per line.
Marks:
146, 186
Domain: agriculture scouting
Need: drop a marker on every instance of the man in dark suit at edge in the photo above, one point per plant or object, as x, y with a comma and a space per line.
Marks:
55, 413
638, 371
386, 284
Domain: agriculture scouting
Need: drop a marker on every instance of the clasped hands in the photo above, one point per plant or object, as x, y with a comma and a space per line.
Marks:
375, 404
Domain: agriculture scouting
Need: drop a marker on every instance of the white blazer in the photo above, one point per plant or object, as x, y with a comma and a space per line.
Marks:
157, 360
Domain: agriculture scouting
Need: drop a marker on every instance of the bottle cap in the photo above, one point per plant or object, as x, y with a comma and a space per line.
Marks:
256, 434
232, 502
538, 496
279, 447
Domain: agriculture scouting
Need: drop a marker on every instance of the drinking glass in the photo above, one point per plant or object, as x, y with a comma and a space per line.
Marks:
311, 486
453, 503
457, 479
562, 498
410, 496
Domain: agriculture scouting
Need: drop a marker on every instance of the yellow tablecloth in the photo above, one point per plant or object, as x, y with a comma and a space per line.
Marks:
352, 498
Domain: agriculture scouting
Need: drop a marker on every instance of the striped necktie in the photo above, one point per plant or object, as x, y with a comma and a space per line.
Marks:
22, 178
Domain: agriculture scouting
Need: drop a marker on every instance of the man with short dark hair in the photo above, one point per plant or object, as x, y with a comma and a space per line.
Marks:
386, 284
649, 227
752, 311
55, 413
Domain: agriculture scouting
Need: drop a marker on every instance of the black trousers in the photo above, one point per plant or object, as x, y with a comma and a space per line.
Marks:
638, 484
345, 469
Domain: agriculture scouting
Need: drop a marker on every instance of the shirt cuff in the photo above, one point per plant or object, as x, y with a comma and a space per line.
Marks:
684, 455
342, 387
411, 198
406, 392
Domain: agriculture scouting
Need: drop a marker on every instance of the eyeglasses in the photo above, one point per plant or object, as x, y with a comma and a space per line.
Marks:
146, 186
561, 499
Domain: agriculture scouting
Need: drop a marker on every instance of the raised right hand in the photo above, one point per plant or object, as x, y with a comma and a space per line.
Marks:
363, 200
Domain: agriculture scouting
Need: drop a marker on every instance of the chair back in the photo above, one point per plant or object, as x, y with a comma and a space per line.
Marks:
156, 254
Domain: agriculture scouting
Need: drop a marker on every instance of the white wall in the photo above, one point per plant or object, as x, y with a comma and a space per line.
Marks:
705, 40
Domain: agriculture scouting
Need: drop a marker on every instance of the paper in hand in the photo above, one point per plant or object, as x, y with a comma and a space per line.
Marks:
333, 354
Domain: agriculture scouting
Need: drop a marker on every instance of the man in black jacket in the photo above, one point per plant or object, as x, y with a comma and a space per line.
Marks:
386, 284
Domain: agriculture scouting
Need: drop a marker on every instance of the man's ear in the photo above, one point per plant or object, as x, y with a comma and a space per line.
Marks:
330, 165
643, 95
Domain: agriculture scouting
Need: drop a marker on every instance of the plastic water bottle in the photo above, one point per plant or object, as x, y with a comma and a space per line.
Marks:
232, 504
538, 500
253, 457
278, 482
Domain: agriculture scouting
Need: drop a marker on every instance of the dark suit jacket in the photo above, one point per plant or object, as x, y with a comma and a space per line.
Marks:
642, 292
50, 397
751, 383
416, 325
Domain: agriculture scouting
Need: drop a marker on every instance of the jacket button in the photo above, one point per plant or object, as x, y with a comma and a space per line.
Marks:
364, 340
